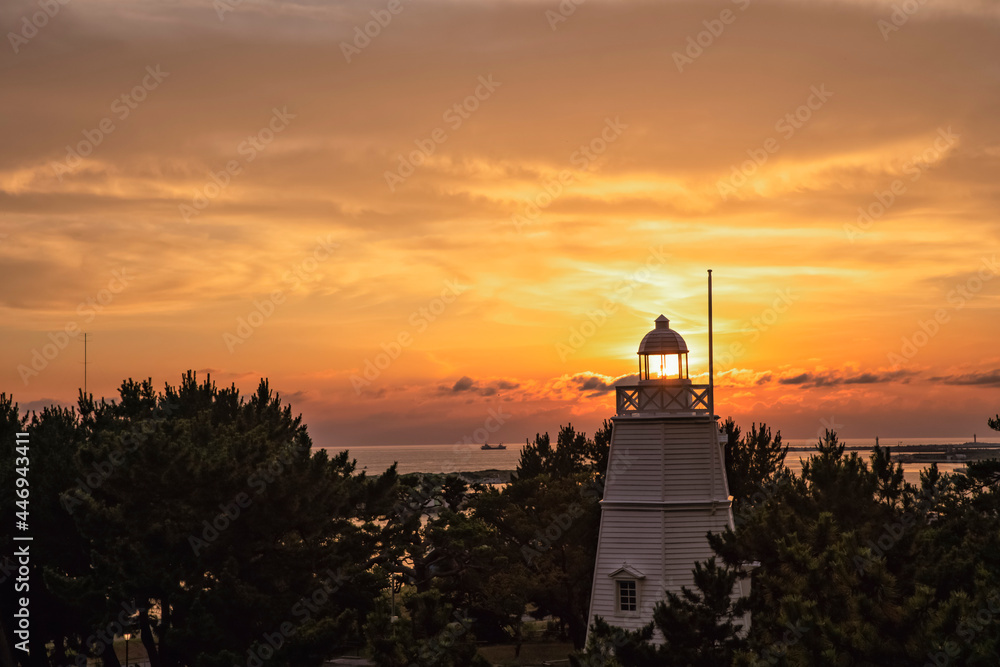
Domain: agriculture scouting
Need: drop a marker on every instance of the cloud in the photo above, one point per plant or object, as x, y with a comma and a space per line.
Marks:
739, 377
465, 384
658, 181
373, 393
983, 378
595, 384
834, 378
295, 397
801, 378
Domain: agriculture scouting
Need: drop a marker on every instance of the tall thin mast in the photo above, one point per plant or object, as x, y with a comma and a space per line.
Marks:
711, 356
85, 364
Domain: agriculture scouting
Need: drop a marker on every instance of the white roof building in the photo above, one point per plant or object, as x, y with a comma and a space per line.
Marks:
665, 486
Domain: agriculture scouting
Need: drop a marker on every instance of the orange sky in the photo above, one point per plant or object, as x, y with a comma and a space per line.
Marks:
479, 180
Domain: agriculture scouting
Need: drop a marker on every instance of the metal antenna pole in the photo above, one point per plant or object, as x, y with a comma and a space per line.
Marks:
711, 355
85, 364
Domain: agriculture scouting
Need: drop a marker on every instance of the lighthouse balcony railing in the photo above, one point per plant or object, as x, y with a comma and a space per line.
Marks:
658, 398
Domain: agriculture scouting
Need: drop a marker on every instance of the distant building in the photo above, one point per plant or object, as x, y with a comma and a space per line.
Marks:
665, 486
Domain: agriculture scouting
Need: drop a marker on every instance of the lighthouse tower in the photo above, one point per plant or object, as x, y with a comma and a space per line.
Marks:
665, 486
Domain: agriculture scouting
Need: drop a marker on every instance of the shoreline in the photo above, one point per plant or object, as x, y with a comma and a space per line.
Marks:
908, 448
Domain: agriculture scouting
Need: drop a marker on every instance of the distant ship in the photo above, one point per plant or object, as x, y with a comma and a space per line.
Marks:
487, 446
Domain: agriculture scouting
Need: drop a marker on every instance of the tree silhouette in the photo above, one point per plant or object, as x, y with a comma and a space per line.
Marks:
207, 517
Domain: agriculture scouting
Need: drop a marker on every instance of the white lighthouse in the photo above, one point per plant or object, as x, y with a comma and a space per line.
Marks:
665, 487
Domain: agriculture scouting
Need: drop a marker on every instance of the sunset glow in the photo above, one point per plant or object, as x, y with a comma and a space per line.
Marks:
483, 208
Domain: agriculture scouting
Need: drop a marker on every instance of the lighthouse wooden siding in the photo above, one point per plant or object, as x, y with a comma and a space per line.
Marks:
665, 488
666, 459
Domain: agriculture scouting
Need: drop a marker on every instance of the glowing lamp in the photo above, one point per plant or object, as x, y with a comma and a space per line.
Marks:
663, 355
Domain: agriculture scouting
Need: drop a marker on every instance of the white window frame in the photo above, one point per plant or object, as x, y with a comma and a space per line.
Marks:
627, 573
620, 586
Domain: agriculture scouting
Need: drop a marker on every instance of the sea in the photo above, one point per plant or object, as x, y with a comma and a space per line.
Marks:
375, 459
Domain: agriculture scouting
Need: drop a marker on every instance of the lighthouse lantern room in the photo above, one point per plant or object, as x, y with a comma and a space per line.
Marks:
660, 352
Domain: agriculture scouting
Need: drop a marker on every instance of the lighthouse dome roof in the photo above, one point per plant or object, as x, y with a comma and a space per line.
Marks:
662, 340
